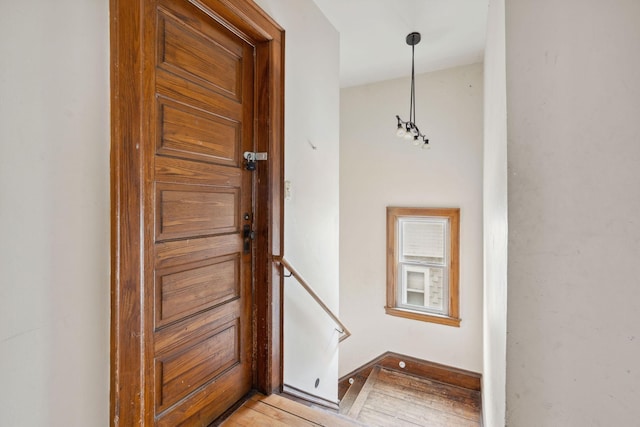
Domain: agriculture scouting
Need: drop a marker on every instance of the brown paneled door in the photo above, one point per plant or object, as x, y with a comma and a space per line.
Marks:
195, 312
200, 203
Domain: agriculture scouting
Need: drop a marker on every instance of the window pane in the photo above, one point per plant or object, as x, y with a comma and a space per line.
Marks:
416, 299
423, 240
423, 288
415, 280
437, 295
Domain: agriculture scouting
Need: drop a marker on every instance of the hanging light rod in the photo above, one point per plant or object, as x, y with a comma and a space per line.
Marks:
409, 130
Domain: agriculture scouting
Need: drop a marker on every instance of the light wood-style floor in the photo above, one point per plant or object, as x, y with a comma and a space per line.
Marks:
391, 398
388, 398
276, 410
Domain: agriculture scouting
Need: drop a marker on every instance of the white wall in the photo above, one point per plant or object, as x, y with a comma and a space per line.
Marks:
311, 215
573, 344
378, 170
54, 213
495, 220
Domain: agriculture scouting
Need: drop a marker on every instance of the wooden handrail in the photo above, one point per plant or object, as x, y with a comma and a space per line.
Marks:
344, 331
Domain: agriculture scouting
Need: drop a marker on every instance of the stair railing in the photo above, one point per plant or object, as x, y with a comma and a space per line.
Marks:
342, 329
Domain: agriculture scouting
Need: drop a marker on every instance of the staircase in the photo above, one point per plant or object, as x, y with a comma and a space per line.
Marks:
383, 393
392, 390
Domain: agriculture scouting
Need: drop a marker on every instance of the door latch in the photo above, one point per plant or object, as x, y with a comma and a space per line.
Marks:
248, 234
251, 157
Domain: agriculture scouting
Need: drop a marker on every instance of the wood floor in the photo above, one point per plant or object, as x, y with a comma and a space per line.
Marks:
276, 410
391, 398
387, 398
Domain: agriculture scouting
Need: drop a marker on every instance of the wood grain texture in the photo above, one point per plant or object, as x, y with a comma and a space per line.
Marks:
416, 367
275, 410
181, 151
186, 172
199, 52
199, 135
189, 289
196, 211
394, 398
388, 398
179, 252
170, 338
126, 408
348, 393
176, 89
269, 230
423, 317
193, 366
363, 395
261, 414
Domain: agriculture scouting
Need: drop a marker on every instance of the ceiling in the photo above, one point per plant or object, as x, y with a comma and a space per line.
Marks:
373, 33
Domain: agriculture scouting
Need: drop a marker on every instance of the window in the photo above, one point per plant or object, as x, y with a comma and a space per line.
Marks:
422, 264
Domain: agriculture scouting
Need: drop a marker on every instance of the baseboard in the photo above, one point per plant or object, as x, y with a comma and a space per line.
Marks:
308, 398
414, 366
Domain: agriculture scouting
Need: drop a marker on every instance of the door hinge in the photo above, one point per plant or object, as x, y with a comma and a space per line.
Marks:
251, 157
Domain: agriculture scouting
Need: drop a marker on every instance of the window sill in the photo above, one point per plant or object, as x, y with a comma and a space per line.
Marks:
423, 317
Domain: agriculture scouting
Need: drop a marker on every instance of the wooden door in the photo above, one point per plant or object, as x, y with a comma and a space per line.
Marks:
200, 202
189, 310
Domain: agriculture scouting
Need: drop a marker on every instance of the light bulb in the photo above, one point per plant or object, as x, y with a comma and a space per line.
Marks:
425, 146
408, 136
416, 141
400, 132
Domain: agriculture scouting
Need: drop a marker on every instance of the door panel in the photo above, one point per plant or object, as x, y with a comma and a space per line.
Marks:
201, 299
189, 367
205, 54
194, 134
186, 290
194, 211
198, 58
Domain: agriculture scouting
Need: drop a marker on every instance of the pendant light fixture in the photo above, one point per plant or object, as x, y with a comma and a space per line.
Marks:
408, 130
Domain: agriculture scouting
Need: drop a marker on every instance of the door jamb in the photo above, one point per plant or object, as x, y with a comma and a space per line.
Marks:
128, 404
